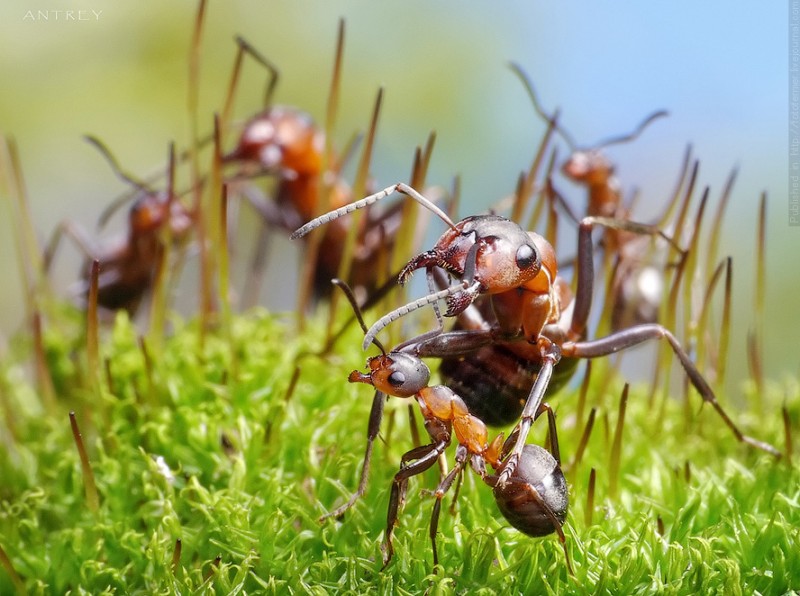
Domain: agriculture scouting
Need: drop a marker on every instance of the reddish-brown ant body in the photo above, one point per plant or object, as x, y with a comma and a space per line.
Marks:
534, 500
129, 264
515, 270
286, 144
637, 286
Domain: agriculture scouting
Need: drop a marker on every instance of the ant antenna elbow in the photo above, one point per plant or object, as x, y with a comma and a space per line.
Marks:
385, 320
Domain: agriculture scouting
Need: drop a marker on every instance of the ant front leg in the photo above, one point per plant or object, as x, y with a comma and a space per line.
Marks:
551, 354
641, 333
423, 458
585, 272
375, 416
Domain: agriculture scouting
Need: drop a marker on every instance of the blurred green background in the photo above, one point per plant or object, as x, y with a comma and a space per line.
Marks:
720, 69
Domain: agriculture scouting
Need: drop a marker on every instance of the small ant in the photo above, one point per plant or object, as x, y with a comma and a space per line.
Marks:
494, 258
129, 264
534, 500
637, 286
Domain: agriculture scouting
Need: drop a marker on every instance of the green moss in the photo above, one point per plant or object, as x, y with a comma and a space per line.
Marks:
205, 445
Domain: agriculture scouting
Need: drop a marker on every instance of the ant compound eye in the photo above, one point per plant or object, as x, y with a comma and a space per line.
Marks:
401, 375
526, 257
397, 379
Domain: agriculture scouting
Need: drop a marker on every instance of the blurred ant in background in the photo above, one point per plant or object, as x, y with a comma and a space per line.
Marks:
129, 264
286, 145
494, 259
636, 282
533, 499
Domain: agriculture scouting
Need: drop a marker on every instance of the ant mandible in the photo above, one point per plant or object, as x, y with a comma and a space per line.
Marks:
517, 271
534, 499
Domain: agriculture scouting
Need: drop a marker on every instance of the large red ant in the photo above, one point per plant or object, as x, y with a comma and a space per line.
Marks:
533, 499
516, 270
129, 264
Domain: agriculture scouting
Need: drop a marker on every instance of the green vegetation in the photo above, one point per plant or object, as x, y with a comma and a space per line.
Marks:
208, 444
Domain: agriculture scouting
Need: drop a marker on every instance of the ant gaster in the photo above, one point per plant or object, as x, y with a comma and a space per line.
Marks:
530, 304
534, 500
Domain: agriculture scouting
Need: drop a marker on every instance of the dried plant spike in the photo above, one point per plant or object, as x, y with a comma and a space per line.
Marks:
787, 433
5, 562
755, 338
583, 392
212, 570
332, 107
616, 447
93, 325
587, 433
725, 332
90, 487
176, 555
589, 513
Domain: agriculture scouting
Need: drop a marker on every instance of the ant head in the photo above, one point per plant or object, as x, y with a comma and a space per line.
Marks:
147, 214
589, 166
150, 211
397, 374
282, 138
535, 498
496, 252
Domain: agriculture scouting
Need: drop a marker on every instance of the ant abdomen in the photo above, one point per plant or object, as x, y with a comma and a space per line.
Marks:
535, 498
495, 380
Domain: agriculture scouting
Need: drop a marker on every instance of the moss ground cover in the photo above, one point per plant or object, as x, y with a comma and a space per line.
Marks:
210, 445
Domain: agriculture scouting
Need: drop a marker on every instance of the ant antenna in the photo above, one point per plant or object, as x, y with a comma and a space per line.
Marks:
348, 292
573, 146
245, 47
632, 135
384, 321
526, 81
115, 167
367, 201
111, 209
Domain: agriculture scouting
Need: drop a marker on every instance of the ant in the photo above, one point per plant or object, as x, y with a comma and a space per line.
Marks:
493, 258
534, 500
636, 285
129, 264
285, 143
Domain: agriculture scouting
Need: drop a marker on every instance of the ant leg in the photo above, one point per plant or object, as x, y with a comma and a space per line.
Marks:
641, 333
585, 272
533, 406
444, 486
375, 416
76, 234
425, 457
551, 424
